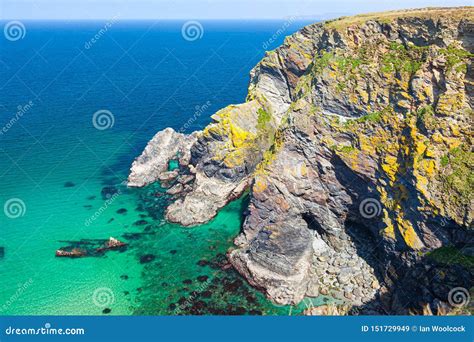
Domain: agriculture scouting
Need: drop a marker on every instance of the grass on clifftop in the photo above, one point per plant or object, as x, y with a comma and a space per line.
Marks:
385, 17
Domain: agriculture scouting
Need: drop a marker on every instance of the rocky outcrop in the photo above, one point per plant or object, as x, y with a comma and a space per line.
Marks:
153, 164
356, 145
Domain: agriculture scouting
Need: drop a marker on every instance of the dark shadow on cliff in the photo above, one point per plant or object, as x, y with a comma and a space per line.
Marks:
362, 232
409, 280
427, 283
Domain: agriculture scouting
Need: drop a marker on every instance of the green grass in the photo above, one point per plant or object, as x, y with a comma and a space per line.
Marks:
456, 58
322, 62
458, 181
371, 117
346, 149
451, 256
263, 118
425, 117
404, 59
386, 17
444, 161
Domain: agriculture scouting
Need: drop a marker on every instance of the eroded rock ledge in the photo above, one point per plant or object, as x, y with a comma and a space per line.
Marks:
356, 145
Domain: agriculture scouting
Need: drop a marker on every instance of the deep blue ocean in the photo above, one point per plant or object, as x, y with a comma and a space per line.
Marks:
57, 168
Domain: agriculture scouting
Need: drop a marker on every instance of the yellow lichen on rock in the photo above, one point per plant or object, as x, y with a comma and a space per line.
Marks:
239, 136
390, 166
408, 233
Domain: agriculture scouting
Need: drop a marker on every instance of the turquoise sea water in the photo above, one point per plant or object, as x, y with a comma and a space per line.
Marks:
65, 176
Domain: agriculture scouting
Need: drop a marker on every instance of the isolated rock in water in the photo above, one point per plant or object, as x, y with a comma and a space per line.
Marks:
356, 145
165, 146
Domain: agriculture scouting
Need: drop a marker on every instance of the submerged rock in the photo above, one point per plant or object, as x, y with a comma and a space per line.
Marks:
146, 258
140, 223
108, 191
203, 263
202, 278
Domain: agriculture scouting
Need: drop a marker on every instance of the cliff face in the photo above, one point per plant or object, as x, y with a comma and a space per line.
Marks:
356, 145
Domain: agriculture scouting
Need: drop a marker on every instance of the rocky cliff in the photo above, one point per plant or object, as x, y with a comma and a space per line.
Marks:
355, 144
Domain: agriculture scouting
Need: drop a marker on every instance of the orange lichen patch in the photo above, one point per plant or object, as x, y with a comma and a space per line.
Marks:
405, 95
260, 184
364, 95
428, 91
390, 166
298, 170
238, 135
353, 98
389, 230
420, 147
421, 183
235, 158
455, 130
213, 129
408, 233
437, 138
350, 156
452, 142
368, 144
282, 203
429, 166
430, 152
450, 103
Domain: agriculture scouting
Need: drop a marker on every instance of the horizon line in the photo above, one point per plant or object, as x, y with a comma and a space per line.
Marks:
165, 19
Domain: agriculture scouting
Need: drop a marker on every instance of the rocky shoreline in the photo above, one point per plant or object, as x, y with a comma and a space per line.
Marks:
355, 143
